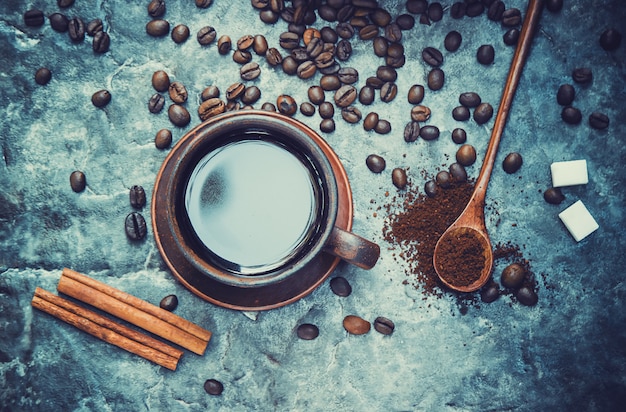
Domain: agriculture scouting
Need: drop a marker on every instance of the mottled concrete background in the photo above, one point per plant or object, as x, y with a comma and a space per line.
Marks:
565, 353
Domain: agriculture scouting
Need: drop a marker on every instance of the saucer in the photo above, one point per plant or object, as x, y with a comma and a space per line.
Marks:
266, 297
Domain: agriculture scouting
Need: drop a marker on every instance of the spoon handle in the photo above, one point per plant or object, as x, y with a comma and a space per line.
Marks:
519, 58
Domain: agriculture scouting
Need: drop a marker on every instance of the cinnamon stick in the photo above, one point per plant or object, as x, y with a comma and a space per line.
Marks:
124, 306
105, 329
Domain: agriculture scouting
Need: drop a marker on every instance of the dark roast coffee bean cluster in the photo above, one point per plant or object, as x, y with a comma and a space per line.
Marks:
566, 94
515, 278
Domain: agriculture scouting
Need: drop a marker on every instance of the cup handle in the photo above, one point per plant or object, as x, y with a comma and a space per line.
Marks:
352, 248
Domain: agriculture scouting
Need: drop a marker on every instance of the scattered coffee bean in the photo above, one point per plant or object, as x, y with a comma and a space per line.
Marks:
416, 94
430, 188
351, 114
399, 178
420, 113
432, 56
429, 132
180, 33
482, 113
453, 41
269, 16
474, 9
213, 387
203, 4
485, 54
330, 82
553, 196
458, 172
457, 11
466, 155
582, 75
65, 3
327, 125
469, 99
224, 45
169, 303
59, 22
206, 35
554, 6
101, 42
598, 120
610, 39
511, 17
565, 95
435, 11
34, 18
326, 110
571, 115
307, 109
510, 37
288, 64
526, 296
380, 45
250, 71
356, 325
460, 113
316, 94
513, 276
416, 6
367, 95
178, 92
156, 103
436, 79
178, 115
370, 122
268, 107
307, 331
512, 162
135, 226
340, 285
345, 95
78, 181
443, 179
384, 325
160, 81
490, 293
43, 76
137, 196
156, 8
211, 107
343, 50
495, 10
163, 139
382, 127
101, 98
76, 30
235, 90
155, 28
411, 131
374, 82
259, 45
459, 136
405, 21
388, 92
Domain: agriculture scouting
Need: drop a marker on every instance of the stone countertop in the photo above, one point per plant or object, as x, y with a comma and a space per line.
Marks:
565, 353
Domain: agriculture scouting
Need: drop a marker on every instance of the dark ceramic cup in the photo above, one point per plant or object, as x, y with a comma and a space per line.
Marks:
252, 200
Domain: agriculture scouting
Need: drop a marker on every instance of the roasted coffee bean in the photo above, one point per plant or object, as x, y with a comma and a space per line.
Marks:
386, 74
469, 99
511, 17
330, 82
598, 120
160, 81
316, 94
59, 22
526, 296
466, 155
235, 91
370, 122
459, 136
453, 41
326, 12
224, 45
93, 27
328, 35
170, 302
436, 79
369, 32
180, 33
307, 331
388, 92
178, 92
458, 172
163, 139
374, 82
513, 275
430, 188
582, 75
156, 8
457, 11
178, 115
339, 285
316, 47
268, 107
101, 42
250, 71
424, 19
443, 179
565, 95
286, 105
395, 50
211, 107
380, 17
348, 75
242, 56
416, 94
395, 61
381, 45
309, 34
345, 95
405, 21
289, 40
571, 115
306, 70
435, 11
416, 6
512, 162
210, 92
273, 56
259, 45
34, 18
420, 113
460, 113
156, 103
78, 181
429, 132
277, 6
326, 110
351, 114
553, 196
155, 28
307, 109
135, 226
213, 387
382, 127
76, 29
327, 125
610, 39
245, 42
65, 3
344, 30
289, 65
496, 10
101, 98
43, 76
367, 95
137, 196
206, 35
432, 56
411, 131
393, 33
325, 60
482, 113
399, 178
251, 95
203, 4
510, 37
384, 325
232, 105
554, 5
485, 54
490, 293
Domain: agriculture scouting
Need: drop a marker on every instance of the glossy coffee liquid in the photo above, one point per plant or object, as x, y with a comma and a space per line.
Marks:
253, 204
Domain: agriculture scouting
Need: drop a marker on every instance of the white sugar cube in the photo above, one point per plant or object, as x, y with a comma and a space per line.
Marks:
569, 173
578, 221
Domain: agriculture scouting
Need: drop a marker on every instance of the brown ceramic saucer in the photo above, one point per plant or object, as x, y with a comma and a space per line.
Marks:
267, 297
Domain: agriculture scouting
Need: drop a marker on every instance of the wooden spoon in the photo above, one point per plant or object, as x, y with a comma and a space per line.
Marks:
466, 242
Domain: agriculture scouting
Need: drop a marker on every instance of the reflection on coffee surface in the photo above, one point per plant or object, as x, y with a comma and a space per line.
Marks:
253, 204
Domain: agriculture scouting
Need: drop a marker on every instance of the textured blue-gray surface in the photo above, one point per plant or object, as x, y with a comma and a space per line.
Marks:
565, 353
